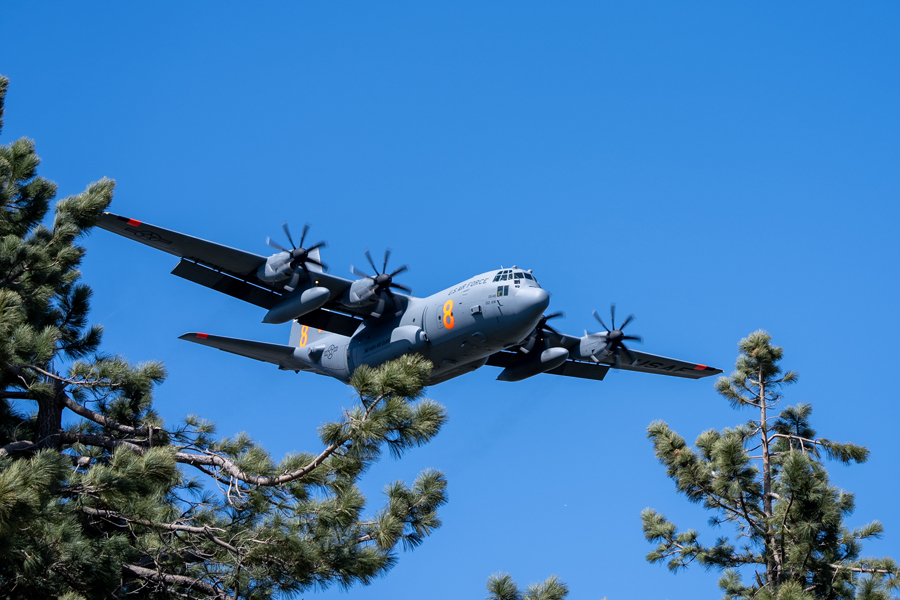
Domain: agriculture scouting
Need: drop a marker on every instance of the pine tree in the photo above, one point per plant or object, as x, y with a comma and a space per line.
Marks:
502, 587
766, 477
115, 502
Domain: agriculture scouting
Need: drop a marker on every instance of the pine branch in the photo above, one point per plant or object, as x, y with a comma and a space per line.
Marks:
166, 578
892, 572
215, 460
102, 420
15, 447
204, 531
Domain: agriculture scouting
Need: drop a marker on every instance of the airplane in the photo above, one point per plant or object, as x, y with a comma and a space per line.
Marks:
495, 318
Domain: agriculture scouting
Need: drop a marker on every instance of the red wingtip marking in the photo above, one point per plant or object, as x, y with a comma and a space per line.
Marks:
700, 367
134, 222
202, 336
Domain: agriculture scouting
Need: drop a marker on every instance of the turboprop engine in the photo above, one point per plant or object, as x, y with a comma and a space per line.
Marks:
291, 263
379, 286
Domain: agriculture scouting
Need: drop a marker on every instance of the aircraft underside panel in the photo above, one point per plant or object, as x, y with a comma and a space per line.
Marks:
226, 284
330, 321
570, 368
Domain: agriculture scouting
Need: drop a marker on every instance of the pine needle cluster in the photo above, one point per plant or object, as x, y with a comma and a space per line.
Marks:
502, 587
116, 503
766, 478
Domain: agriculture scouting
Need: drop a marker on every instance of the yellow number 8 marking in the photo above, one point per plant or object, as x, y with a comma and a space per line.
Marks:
448, 314
303, 335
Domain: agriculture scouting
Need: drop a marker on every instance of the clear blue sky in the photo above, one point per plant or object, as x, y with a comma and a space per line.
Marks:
714, 168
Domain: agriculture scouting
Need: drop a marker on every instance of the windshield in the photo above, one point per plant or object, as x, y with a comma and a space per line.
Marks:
518, 275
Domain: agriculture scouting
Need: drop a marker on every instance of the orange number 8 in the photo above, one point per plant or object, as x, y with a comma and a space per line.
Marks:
449, 321
303, 335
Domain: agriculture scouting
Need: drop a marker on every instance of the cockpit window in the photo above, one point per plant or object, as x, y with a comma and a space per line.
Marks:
518, 276
527, 275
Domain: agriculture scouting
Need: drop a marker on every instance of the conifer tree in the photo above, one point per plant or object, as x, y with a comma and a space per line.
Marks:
115, 503
766, 478
502, 587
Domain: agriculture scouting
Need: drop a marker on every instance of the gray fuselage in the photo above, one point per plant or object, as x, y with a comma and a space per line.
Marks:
457, 329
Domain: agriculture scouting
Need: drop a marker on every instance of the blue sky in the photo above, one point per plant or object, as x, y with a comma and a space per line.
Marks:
713, 168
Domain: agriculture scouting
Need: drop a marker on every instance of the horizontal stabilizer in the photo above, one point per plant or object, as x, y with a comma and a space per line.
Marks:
277, 354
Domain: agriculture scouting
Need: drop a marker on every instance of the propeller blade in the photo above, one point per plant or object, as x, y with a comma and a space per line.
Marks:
287, 232
596, 316
528, 346
387, 254
628, 352
402, 269
379, 308
319, 245
359, 273
554, 315
548, 328
295, 278
303, 235
636, 338
612, 312
617, 363
316, 262
400, 286
627, 321
275, 245
371, 262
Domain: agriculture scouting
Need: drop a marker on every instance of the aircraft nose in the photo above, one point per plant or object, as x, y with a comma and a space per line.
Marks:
533, 300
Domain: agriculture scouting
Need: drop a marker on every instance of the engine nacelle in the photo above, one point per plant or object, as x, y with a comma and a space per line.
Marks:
298, 305
591, 347
361, 293
534, 364
277, 267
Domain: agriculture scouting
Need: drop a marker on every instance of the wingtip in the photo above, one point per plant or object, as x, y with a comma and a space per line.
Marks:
193, 335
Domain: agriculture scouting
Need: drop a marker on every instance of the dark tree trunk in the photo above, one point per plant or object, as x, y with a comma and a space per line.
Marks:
49, 420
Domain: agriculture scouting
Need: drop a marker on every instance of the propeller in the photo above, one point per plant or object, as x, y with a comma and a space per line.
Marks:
615, 339
528, 345
383, 282
298, 255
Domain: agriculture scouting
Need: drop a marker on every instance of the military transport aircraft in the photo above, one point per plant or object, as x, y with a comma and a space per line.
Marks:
495, 318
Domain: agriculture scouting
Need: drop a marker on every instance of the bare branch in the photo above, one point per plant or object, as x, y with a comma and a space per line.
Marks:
204, 531
15, 447
213, 460
159, 577
864, 570
100, 419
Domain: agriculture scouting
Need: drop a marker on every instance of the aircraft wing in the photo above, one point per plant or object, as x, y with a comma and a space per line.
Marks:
233, 272
588, 369
222, 258
277, 354
652, 363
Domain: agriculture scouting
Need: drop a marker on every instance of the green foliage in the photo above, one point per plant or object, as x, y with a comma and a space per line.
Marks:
502, 587
787, 516
117, 504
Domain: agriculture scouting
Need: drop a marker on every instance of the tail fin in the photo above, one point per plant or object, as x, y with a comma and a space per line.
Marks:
277, 354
